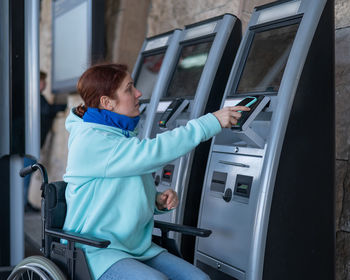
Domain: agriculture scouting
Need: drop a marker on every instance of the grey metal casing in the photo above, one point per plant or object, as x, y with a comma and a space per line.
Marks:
223, 30
32, 78
237, 246
167, 43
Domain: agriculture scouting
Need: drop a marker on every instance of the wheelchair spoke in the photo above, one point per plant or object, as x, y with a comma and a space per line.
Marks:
36, 268
31, 275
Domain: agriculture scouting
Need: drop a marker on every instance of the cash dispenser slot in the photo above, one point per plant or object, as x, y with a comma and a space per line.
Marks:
173, 111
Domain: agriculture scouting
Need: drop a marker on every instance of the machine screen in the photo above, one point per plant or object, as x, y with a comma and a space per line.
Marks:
148, 74
267, 60
189, 70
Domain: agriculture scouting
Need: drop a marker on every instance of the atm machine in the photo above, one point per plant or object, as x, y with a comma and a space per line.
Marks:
268, 193
151, 71
203, 62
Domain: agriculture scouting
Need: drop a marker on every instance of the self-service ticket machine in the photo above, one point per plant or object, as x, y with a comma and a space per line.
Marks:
268, 190
206, 53
151, 71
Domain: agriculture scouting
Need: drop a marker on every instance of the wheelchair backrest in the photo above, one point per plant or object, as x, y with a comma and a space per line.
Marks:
55, 204
55, 209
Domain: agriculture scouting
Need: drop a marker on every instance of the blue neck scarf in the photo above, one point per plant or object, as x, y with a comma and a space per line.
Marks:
102, 116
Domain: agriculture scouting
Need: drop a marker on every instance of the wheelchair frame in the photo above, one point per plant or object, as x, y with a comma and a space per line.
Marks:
67, 257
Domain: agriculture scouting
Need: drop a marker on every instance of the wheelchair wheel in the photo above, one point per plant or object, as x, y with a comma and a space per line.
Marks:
36, 268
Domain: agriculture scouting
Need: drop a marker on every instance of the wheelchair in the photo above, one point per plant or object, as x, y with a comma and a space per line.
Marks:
66, 261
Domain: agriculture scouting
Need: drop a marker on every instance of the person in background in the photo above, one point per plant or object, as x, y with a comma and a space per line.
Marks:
47, 115
110, 192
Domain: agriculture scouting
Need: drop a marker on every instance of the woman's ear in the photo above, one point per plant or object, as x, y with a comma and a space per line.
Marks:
106, 103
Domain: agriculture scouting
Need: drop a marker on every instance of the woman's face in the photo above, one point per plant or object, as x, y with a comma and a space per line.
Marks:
127, 102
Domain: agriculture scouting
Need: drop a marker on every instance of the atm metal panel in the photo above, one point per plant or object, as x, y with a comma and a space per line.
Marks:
231, 222
204, 59
158, 54
269, 251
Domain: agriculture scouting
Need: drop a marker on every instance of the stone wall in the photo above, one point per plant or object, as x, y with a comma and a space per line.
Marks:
342, 84
126, 29
127, 23
167, 15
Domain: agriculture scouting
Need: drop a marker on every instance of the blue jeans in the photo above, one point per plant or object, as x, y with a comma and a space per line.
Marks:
162, 267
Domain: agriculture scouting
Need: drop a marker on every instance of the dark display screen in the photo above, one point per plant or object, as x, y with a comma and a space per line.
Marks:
148, 74
267, 60
189, 70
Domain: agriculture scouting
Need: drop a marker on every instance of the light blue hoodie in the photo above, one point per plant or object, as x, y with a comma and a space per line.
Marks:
111, 192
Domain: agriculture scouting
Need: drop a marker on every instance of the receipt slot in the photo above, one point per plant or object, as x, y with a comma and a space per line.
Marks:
151, 70
268, 190
203, 62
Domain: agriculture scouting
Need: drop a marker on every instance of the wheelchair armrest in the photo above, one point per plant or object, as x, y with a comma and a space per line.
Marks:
82, 238
188, 230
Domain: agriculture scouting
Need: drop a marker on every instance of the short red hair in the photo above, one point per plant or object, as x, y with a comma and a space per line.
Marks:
99, 80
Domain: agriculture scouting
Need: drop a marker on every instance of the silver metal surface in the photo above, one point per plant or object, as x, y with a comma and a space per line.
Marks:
303, 39
182, 172
162, 81
230, 222
179, 110
240, 229
138, 60
201, 30
32, 89
16, 211
277, 12
232, 271
250, 137
253, 115
211, 65
169, 44
222, 29
157, 43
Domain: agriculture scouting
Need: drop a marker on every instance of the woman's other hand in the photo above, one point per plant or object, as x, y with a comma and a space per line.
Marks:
228, 116
167, 199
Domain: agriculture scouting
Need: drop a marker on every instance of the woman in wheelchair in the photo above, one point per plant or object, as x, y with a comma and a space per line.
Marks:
110, 192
